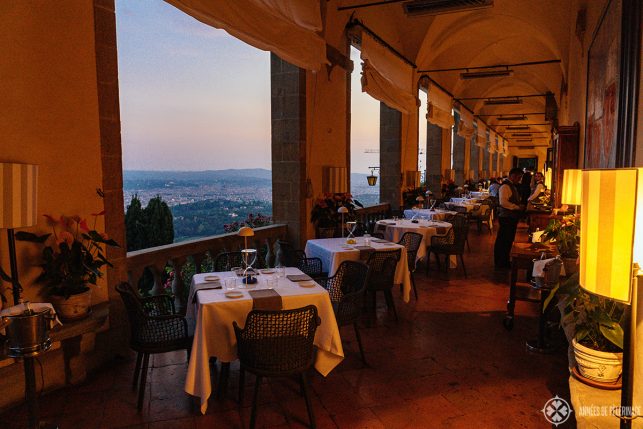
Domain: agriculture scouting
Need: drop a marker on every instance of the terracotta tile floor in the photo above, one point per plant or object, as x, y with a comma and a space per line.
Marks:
448, 363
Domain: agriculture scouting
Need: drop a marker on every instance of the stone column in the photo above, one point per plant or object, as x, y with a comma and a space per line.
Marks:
288, 121
473, 160
458, 154
390, 156
433, 158
485, 159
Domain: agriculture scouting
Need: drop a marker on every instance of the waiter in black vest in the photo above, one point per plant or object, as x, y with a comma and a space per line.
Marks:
510, 210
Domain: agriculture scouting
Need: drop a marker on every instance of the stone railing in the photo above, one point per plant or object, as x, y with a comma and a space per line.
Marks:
196, 253
370, 215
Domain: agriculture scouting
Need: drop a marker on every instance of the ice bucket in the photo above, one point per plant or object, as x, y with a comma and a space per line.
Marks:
28, 331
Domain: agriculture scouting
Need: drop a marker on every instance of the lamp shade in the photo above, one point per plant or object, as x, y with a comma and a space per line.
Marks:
610, 242
548, 178
246, 231
18, 195
572, 185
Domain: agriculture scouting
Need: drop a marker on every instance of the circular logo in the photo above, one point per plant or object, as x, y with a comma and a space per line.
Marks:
556, 411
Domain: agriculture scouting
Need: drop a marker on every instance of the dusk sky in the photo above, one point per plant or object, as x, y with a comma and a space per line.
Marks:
195, 98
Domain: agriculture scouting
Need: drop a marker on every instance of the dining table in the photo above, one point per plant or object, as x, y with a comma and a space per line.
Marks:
213, 309
334, 251
394, 229
430, 214
468, 204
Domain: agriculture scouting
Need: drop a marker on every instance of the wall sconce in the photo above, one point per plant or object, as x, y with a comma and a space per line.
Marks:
372, 178
334, 180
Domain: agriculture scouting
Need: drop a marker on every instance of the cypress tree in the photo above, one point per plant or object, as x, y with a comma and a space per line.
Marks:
159, 223
135, 227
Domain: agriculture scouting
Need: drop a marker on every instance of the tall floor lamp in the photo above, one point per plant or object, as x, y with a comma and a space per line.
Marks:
611, 250
18, 209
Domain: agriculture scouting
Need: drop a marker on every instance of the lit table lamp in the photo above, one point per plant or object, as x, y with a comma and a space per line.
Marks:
19, 209
249, 255
342, 210
420, 200
572, 186
547, 175
611, 250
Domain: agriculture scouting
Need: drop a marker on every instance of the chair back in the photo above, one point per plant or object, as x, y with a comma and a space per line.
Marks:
411, 242
286, 255
461, 231
225, 261
274, 343
382, 266
350, 278
135, 312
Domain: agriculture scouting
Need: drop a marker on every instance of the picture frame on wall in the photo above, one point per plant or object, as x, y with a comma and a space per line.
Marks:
612, 86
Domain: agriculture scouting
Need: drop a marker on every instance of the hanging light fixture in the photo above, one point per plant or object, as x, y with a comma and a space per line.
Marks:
372, 178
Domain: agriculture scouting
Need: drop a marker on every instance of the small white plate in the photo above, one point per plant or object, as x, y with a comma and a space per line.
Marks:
211, 278
307, 283
234, 294
267, 271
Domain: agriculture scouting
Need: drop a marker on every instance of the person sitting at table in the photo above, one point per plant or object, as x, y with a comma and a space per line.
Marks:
510, 211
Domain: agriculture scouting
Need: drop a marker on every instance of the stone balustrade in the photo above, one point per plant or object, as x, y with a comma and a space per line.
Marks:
197, 252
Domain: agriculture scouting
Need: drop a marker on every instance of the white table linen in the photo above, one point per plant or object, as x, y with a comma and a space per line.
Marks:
396, 229
435, 214
214, 334
468, 204
480, 194
334, 251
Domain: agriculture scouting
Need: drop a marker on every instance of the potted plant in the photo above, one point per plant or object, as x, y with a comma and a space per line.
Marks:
324, 213
593, 324
72, 259
565, 234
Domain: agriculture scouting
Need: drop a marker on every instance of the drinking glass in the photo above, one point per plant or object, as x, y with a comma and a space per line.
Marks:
281, 272
230, 283
271, 282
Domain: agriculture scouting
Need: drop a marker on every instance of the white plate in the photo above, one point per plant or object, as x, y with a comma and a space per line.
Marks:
307, 283
234, 294
267, 271
211, 278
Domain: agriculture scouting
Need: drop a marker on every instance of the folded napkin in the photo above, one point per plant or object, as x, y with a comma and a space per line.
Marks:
203, 286
35, 306
265, 299
539, 267
298, 277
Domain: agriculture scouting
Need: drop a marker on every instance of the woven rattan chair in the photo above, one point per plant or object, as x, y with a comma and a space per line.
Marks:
154, 328
483, 216
411, 242
346, 289
277, 344
287, 256
382, 266
452, 243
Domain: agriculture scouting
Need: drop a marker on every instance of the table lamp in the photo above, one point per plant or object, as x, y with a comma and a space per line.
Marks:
19, 197
342, 211
572, 187
420, 200
611, 249
245, 232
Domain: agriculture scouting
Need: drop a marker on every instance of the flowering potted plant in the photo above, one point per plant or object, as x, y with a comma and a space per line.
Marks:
565, 234
72, 259
324, 213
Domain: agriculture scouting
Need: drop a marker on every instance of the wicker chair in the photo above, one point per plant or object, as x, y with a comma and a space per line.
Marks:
277, 344
483, 217
346, 289
452, 243
287, 256
154, 328
411, 242
382, 265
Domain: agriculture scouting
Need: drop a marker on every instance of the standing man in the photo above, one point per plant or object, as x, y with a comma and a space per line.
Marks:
510, 210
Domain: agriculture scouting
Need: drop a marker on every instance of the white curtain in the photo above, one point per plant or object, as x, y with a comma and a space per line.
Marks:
440, 107
481, 141
288, 28
465, 126
386, 77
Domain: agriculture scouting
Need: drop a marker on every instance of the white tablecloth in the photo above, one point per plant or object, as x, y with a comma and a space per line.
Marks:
214, 334
468, 204
333, 251
396, 229
480, 195
436, 214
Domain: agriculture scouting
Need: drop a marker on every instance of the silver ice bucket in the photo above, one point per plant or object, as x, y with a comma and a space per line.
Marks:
28, 332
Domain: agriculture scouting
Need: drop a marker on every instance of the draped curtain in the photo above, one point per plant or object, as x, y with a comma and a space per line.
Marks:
289, 29
465, 125
481, 141
386, 77
492, 141
439, 110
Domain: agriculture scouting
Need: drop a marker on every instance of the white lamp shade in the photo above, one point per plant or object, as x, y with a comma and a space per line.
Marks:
610, 242
18, 195
572, 186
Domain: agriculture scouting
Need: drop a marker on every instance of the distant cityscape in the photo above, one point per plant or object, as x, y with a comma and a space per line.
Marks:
202, 202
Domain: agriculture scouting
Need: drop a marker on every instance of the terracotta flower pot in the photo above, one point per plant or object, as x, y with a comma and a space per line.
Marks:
76, 307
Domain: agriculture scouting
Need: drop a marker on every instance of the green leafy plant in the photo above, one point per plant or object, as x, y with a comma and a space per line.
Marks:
324, 212
596, 322
72, 255
565, 234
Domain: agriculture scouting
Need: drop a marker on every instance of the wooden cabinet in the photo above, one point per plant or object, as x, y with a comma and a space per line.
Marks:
565, 151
